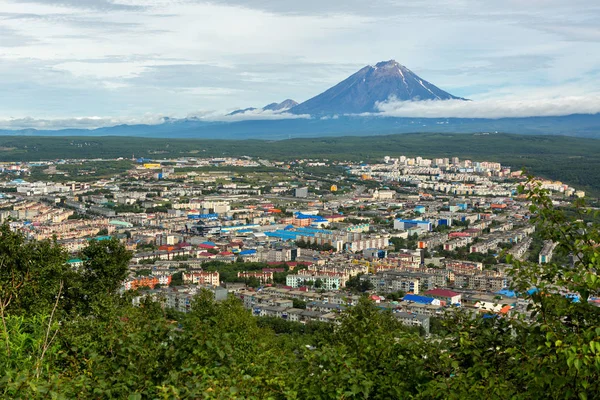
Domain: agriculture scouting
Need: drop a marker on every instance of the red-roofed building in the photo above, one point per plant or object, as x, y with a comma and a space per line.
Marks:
206, 254
444, 295
452, 235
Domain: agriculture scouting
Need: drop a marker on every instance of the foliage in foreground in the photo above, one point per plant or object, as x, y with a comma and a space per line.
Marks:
67, 334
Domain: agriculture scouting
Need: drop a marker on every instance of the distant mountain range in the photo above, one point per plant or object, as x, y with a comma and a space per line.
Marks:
348, 108
582, 125
360, 92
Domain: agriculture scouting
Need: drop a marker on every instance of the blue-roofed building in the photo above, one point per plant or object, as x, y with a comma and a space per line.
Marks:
100, 238
507, 293
284, 235
406, 224
299, 215
248, 252
421, 299
445, 222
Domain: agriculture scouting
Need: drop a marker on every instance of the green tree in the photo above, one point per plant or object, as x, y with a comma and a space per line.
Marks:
176, 279
357, 285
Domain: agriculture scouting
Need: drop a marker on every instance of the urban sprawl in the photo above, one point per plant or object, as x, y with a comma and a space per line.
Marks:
298, 240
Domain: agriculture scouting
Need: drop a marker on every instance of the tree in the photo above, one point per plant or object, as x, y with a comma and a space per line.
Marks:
31, 273
176, 279
252, 282
357, 285
318, 283
297, 303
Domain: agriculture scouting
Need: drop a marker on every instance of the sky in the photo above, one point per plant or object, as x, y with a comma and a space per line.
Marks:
88, 63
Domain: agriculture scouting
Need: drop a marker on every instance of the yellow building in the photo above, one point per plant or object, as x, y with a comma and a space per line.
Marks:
152, 166
334, 188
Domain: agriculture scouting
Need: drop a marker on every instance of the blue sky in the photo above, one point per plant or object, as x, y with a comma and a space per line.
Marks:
100, 62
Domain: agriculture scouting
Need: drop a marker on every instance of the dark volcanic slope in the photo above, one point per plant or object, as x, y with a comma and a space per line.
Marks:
361, 91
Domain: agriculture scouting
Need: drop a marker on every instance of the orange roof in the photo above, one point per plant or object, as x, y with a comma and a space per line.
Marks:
505, 309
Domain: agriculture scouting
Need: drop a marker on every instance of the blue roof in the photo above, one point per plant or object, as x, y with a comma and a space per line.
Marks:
209, 243
574, 297
304, 216
417, 299
247, 252
286, 235
413, 221
507, 293
292, 234
99, 238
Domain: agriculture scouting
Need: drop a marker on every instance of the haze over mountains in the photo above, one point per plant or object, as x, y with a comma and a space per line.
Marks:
352, 107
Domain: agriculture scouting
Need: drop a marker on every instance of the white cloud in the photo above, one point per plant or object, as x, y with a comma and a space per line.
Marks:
114, 57
492, 108
256, 115
74, 123
94, 122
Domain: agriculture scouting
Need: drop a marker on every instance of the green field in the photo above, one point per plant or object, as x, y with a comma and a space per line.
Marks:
573, 160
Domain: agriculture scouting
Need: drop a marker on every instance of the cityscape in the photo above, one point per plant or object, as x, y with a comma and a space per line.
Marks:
299, 200
295, 240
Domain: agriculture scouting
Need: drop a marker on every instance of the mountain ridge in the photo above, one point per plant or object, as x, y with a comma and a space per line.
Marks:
275, 107
362, 91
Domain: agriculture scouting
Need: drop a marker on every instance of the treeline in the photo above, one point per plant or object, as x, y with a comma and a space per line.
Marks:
570, 159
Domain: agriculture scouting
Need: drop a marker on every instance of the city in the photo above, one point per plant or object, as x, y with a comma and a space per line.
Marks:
295, 240
299, 200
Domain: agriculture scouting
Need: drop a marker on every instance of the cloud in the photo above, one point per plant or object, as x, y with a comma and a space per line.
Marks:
12, 38
101, 5
109, 57
257, 115
74, 123
491, 108
94, 122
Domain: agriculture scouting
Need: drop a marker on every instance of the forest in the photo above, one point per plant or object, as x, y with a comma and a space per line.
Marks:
575, 161
71, 334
